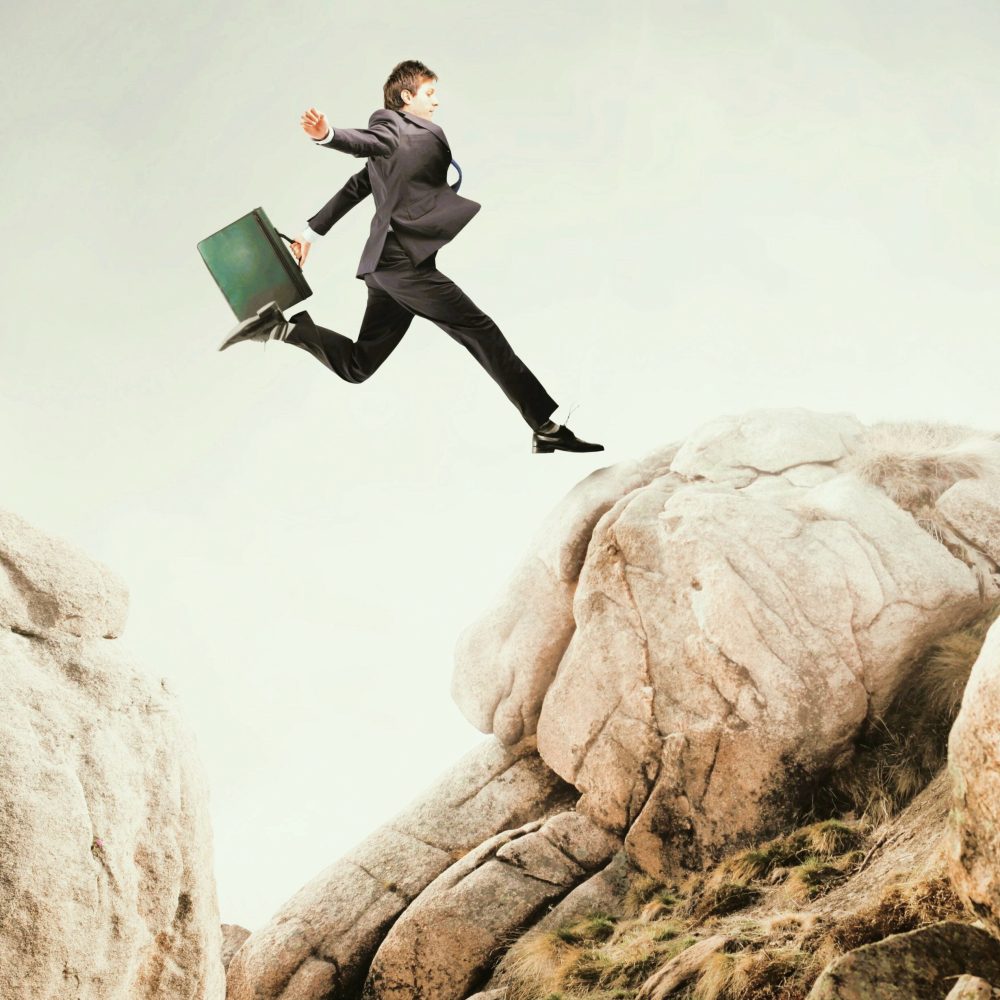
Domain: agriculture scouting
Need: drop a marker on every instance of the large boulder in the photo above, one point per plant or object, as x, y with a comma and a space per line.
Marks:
736, 620
321, 942
106, 868
974, 765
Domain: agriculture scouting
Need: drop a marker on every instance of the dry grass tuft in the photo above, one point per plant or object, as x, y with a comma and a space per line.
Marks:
817, 875
785, 923
914, 463
895, 760
943, 672
809, 859
647, 896
595, 957
768, 973
830, 838
667, 930
587, 970
595, 927
638, 949
933, 898
900, 907
903, 749
718, 899
535, 965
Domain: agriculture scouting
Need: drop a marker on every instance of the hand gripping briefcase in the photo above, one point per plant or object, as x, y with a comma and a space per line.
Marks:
252, 267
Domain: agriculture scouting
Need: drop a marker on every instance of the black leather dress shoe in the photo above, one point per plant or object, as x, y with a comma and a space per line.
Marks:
268, 324
561, 439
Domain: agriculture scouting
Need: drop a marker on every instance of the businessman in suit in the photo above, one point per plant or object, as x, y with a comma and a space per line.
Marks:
416, 213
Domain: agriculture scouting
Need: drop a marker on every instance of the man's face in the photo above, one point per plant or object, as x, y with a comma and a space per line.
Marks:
424, 102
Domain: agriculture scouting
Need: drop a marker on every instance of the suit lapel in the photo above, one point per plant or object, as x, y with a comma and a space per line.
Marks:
429, 125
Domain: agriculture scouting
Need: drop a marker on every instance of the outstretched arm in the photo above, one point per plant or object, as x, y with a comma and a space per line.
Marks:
379, 139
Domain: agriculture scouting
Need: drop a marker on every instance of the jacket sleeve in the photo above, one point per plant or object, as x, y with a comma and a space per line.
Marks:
356, 189
380, 138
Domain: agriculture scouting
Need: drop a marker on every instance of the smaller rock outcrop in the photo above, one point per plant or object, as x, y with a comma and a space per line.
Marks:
233, 937
918, 965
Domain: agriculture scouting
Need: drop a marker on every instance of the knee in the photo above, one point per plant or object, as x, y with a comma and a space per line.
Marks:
356, 377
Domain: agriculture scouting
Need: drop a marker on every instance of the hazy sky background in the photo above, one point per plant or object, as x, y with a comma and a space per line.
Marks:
689, 209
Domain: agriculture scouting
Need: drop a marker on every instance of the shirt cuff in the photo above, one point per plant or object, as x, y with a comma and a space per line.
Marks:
309, 236
327, 137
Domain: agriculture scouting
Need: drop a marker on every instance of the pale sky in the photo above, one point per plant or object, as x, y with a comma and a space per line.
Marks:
689, 209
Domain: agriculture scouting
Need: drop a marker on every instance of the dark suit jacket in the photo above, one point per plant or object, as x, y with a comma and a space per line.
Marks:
407, 169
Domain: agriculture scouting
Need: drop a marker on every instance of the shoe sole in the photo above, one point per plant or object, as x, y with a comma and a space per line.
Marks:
259, 335
540, 447
270, 317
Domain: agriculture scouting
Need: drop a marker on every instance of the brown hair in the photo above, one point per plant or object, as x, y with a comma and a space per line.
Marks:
407, 75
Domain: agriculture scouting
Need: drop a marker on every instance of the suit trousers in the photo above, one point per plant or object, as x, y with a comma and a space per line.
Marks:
398, 291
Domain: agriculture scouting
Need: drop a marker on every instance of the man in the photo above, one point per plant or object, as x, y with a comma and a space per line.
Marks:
416, 213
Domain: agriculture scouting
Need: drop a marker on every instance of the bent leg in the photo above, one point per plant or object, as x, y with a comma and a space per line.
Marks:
382, 328
426, 292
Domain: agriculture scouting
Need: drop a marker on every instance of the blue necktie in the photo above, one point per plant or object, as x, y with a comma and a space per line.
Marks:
455, 186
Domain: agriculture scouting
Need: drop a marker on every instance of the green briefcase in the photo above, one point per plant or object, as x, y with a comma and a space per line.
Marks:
252, 266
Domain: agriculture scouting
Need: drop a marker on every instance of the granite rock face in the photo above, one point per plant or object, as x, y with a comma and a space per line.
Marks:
108, 886
974, 766
745, 604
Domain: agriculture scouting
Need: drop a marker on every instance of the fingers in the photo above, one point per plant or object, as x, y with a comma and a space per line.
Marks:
311, 121
300, 251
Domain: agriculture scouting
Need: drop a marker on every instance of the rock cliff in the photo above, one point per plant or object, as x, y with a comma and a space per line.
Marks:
106, 884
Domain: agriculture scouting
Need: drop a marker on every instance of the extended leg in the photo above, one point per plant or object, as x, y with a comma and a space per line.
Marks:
382, 328
426, 292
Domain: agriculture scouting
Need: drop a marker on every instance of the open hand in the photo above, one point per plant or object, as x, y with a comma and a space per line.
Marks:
315, 124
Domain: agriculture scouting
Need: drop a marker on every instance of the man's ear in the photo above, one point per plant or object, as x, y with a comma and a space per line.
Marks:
405, 96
